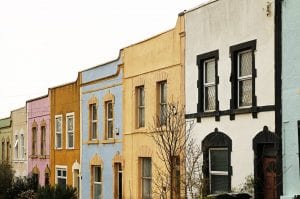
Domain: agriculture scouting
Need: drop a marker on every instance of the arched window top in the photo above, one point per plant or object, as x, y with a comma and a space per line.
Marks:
35, 170
265, 137
216, 139
93, 100
108, 97
34, 124
96, 160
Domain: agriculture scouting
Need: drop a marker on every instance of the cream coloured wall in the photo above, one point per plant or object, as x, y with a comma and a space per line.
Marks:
146, 63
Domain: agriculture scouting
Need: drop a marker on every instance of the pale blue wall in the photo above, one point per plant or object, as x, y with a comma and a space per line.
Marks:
290, 95
105, 151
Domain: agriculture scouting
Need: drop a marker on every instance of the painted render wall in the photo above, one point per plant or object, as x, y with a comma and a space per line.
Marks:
146, 63
217, 25
65, 99
97, 83
290, 96
19, 127
38, 112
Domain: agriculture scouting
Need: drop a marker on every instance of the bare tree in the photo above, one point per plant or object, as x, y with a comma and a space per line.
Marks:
172, 136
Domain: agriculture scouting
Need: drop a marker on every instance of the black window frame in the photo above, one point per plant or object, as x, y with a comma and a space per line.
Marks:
234, 52
201, 59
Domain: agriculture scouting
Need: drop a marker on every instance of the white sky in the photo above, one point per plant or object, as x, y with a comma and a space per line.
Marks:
44, 43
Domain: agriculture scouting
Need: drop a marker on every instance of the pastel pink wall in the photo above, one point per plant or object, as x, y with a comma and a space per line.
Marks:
38, 111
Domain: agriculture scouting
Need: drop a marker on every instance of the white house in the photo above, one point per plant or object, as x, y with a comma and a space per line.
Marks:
230, 91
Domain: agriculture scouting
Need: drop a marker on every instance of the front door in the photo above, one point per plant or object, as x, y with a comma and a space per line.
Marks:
269, 176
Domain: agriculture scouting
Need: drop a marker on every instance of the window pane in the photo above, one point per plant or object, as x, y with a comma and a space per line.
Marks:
70, 123
97, 174
210, 98
109, 110
58, 140
58, 124
163, 114
219, 184
219, 160
110, 129
141, 117
245, 92
94, 112
70, 139
94, 130
245, 65
146, 188
97, 191
141, 96
163, 92
61, 181
210, 71
146, 167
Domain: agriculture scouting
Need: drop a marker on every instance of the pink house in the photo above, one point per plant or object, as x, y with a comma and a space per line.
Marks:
38, 120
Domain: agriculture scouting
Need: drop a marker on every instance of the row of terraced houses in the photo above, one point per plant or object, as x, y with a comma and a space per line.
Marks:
233, 64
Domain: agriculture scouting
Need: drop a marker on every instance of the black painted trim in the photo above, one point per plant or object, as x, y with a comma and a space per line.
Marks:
234, 50
215, 139
278, 92
256, 109
200, 83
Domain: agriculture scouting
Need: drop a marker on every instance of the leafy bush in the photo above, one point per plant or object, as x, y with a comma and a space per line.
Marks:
19, 186
57, 192
6, 176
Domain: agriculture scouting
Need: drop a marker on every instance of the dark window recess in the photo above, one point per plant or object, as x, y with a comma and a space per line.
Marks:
207, 84
242, 78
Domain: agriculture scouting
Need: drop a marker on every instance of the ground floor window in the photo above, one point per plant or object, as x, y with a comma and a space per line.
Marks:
146, 178
97, 182
61, 176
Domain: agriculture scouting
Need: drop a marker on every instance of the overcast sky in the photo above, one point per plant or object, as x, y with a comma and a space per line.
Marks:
44, 43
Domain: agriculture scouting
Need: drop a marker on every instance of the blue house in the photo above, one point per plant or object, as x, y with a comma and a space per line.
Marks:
291, 98
101, 127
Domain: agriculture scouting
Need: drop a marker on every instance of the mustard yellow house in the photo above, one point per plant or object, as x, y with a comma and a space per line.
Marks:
65, 134
153, 74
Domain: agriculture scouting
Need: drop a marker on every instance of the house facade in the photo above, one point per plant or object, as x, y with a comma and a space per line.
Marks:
19, 142
38, 131
101, 131
230, 91
65, 135
290, 97
153, 76
5, 138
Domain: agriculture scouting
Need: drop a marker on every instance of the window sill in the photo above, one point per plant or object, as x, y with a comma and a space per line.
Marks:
70, 148
140, 130
108, 141
43, 156
93, 142
58, 148
33, 156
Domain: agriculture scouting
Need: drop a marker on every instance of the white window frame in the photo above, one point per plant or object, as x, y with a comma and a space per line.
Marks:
94, 180
243, 78
91, 122
220, 173
140, 106
208, 84
56, 132
70, 132
61, 167
107, 120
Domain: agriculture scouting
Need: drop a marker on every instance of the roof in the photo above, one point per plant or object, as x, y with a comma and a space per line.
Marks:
200, 6
5, 122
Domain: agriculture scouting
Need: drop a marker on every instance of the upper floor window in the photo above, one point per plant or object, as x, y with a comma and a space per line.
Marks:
93, 121
162, 102
208, 81
109, 120
22, 146
70, 130
146, 178
58, 131
43, 140
140, 106
243, 75
34, 141
3, 151
16, 147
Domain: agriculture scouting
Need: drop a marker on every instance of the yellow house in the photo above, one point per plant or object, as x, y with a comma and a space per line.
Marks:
65, 134
152, 68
